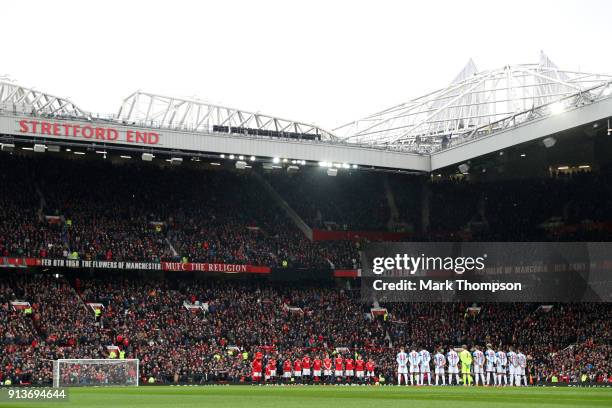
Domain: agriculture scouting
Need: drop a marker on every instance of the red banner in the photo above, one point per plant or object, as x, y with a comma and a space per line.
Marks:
211, 267
347, 273
325, 235
16, 262
126, 265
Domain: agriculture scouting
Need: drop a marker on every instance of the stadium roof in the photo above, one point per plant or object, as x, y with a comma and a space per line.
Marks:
36, 101
474, 102
162, 112
195, 115
480, 112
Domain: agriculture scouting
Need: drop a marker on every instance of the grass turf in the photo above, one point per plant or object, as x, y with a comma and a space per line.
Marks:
335, 397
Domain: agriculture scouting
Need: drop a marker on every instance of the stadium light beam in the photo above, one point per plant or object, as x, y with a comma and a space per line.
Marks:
557, 108
549, 142
332, 172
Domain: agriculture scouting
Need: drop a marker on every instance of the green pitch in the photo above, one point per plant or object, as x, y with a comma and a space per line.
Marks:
334, 397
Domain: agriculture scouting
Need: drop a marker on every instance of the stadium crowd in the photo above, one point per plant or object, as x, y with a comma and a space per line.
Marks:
203, 331
109, 212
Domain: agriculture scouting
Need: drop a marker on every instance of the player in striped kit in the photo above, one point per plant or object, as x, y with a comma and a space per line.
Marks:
479, 361
522, 358
500, 364
453, 359
490, 357
402, 366
439, 363
425, 359
415, 359
513, 367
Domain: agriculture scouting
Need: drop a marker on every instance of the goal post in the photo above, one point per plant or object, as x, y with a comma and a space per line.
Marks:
83, 372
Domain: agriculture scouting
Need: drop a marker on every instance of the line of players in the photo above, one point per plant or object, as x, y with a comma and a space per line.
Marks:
501, 368
326, 370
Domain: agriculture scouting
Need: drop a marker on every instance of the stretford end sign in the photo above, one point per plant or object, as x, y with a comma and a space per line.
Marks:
86, 132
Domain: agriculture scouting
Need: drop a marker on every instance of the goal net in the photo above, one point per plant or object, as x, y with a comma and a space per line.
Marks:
95, 372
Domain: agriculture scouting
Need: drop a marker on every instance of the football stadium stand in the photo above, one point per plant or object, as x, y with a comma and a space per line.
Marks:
236, 242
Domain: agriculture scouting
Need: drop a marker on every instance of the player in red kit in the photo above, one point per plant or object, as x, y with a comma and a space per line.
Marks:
359, 366
369, 370
267, 374
349, 369
257, 366
338, 368
287, 370
327, 369
271, 367
306, 368
316, 369
297, 370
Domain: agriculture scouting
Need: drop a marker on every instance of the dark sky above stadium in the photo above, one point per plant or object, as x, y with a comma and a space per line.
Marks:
325, 62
